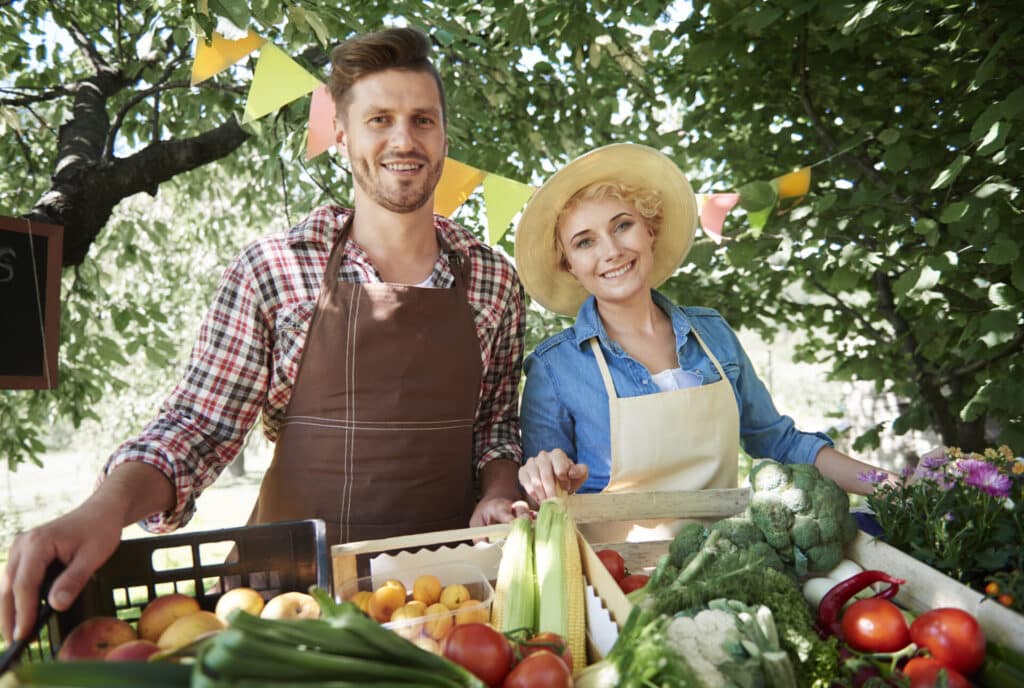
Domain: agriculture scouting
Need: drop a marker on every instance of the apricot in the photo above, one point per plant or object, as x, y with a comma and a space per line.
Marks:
162, 611
95, 637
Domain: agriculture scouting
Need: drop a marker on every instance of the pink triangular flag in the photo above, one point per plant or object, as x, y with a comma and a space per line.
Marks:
712, 213
320, 135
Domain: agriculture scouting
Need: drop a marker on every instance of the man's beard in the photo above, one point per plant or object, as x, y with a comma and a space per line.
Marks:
406, 199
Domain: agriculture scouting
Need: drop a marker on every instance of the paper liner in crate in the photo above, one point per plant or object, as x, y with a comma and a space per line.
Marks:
601, 630
486, 555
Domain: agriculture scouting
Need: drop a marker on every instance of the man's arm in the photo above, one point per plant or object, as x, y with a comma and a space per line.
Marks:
82, 540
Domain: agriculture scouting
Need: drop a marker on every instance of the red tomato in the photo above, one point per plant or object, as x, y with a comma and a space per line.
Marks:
486, 653
614, 562
875, 625
923, 672
633, 582
540, 670
952, 636
550, 642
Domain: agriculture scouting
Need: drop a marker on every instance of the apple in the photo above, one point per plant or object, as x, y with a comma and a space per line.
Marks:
184, 630
95, 637
162, 611
291, 605
246, 599
133, 651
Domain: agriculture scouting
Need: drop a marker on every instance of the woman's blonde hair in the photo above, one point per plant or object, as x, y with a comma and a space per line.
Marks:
647, 202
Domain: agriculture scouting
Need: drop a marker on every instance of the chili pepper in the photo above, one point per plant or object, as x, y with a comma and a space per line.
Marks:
835, 599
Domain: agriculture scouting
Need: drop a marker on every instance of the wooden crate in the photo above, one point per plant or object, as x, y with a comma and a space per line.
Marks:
925, 589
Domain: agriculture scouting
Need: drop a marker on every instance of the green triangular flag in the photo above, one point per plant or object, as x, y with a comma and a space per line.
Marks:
504, 198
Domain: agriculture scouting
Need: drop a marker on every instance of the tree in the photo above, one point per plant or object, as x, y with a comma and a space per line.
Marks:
865, 265
906, 255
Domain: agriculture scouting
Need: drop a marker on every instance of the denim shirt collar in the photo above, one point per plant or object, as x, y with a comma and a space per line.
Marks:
588, 324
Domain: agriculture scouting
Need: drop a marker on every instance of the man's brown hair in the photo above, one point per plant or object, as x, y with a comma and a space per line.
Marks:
406, 48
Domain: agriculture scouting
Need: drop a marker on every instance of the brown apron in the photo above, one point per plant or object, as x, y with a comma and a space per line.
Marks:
377, 439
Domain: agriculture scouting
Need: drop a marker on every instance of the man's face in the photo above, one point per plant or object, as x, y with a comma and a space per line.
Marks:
394, 138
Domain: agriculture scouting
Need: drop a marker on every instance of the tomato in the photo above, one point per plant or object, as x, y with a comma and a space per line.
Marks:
875, 625
540, 670
633, 582
923, 672
614, 562
486, 653
952, 636
550, 642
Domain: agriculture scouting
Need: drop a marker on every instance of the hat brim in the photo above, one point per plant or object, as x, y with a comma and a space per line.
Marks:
536, 255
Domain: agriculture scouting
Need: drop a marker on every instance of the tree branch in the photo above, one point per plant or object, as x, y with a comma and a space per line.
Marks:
86, 46
867, 329
24, 99
1013, 346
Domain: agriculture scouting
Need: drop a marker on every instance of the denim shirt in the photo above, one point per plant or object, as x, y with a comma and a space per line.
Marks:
565, 405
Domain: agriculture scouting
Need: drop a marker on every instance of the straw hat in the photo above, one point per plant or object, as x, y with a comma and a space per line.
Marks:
537, 258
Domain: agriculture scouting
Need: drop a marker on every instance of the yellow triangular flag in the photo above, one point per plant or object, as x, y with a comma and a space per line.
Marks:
277, 81
456, 184
504, 198
793, 184
220, 54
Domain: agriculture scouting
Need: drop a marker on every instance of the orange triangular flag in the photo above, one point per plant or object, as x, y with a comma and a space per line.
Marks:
457, 183
793, 184
713, 211
320, 134
220, 54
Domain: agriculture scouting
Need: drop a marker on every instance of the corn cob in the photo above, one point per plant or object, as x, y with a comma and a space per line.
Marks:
560, 578
515, 592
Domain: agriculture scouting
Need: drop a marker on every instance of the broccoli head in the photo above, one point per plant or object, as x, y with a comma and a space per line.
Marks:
686, 544
740, 530
803, 515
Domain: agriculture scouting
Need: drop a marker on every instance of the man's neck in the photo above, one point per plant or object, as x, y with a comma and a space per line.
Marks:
402, 246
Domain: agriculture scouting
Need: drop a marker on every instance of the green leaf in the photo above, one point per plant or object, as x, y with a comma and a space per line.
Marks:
998, 327
854, 22
954, 212
889, 136
758, 219
757, 196
1003, 251
236, 11
897, 157
994, 139
947, 175
319, 28
1003, 295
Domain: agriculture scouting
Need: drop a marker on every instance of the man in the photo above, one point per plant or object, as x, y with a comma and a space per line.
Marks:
383, 346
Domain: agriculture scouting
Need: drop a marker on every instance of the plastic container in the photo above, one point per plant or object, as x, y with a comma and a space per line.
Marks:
476, 607
271, 558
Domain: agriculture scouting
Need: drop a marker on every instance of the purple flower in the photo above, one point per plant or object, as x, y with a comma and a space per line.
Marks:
874, 477
941, 480
984, 476
933, 462
949, 517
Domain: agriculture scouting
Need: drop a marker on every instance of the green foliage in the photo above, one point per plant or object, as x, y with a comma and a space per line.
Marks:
901, 266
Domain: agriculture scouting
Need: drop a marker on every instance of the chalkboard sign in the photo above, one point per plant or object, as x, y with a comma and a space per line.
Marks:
30, 258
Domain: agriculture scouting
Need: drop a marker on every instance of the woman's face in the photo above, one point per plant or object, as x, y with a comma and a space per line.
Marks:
609, 249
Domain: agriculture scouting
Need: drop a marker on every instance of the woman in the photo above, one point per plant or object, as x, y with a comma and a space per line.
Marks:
639, 394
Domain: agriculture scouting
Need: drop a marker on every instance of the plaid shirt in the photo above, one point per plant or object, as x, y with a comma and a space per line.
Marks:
247, 354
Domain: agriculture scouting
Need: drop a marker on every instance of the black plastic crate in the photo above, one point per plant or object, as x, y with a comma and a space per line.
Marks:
271, 558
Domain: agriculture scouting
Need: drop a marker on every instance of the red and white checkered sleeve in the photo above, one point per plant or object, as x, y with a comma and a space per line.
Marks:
201, 426
496, 433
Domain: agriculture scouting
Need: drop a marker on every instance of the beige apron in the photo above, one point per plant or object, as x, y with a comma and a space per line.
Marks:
684, 439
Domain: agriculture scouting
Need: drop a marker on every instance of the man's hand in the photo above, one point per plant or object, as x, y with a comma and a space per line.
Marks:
542, 475
497, 510
82, 540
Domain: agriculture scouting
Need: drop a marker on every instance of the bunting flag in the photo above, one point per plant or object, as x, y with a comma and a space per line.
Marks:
793, 184
213, 58
457, 182
503, 198
713, 211
320, 134
277, 81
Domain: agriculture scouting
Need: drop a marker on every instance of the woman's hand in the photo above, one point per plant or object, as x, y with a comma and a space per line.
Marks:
542, 475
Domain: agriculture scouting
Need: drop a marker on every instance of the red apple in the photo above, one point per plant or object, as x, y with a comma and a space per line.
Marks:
95, 637
133, 651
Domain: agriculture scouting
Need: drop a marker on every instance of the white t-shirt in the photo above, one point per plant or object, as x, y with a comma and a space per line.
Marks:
675, 378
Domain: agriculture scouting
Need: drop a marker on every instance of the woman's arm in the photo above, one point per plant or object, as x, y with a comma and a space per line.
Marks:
846, 471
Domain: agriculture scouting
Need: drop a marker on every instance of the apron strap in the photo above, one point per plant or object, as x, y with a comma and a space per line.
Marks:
603, 365
707, 351
607, 376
